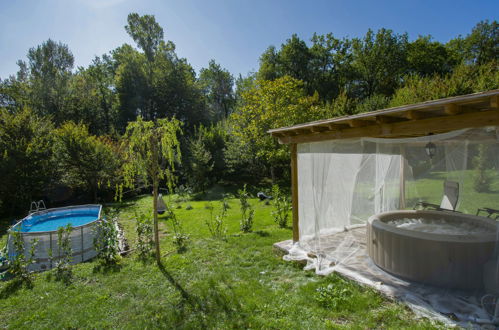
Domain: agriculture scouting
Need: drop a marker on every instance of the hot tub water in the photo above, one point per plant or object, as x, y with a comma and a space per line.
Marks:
439, 226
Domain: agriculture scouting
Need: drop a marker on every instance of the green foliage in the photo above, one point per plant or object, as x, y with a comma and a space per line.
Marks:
282, 206
372, 103
464, 80
19, 266
201, 165
217, 86
48, 71
146, 32
272, 104
379, 60
247, 211
85, 160
480, 46
217, 225
343, 296
63, 270
106, 242
426, 57
144, 229
151, 151
26, 161
180, 238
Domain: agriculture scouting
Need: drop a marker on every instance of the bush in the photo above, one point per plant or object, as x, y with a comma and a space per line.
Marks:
216, 225
282, 206
144, 231
63, 271
26, 161
19, 267
180, 238
247, 211
106, 241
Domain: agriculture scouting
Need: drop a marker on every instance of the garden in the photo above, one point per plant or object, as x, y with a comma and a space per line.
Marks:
222, 278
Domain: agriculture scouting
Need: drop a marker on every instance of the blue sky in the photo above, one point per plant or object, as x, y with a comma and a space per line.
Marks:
234, 33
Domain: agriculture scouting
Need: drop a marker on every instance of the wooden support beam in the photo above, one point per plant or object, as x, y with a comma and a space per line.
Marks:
451, 109
406, 128
294, 192
415, 115
387, 119
494, 102
317, 129
358, 123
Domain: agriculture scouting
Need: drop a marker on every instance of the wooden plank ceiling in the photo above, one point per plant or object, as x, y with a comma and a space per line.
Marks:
432, 117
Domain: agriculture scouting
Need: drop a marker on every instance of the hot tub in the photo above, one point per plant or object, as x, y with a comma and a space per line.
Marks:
43, 226
446, 249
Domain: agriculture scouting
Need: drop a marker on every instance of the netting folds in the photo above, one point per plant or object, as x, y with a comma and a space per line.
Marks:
341, 183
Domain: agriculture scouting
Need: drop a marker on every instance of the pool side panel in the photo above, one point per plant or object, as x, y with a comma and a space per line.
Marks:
82, 242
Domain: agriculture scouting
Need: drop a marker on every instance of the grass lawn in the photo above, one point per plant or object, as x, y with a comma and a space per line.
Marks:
239, 282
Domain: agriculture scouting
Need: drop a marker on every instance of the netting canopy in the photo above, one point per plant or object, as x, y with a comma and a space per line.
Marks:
341, 183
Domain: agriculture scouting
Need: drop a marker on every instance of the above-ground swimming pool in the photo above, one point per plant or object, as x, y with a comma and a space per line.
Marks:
43, 226
447, 249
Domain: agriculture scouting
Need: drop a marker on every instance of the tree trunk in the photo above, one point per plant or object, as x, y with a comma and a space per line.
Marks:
155, 210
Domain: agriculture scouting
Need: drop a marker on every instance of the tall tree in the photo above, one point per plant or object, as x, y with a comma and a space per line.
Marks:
330, 65
379, 61
26, 163
271, 104
217, 86
480, 46
426, 57
49, 71
85, 160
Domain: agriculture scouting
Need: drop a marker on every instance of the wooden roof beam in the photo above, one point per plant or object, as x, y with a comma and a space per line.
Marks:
494, 102
415, 115
318, 129
358, 123
452, 109
387, 120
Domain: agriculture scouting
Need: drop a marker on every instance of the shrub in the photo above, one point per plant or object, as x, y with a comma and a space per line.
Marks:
144, 231
247, 211
180, 238
106, 241
63, 271
19, 267
216, 225
282, 206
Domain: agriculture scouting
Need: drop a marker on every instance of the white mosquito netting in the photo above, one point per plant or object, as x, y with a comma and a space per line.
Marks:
341, 183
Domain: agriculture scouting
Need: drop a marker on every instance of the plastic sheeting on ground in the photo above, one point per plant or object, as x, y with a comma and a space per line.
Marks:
344, 252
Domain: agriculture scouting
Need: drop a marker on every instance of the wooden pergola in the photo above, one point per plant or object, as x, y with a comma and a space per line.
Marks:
420, 119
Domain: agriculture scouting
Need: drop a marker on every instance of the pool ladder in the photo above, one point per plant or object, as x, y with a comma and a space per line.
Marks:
37, 206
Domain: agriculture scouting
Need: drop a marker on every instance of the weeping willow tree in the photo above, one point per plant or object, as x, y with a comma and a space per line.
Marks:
151, 150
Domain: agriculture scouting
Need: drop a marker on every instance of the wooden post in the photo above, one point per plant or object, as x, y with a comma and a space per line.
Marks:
402, 179
294, 192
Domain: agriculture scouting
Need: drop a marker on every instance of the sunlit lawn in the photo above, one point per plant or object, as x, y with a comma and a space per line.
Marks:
239, 282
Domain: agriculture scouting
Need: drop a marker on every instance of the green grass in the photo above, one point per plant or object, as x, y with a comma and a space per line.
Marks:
237, 283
